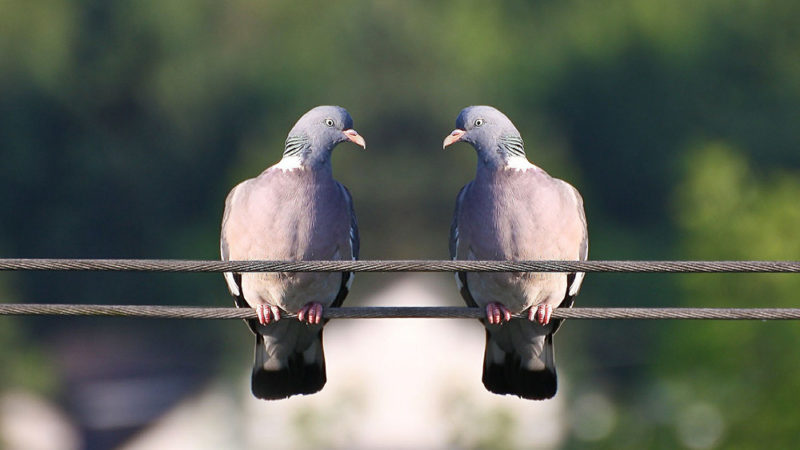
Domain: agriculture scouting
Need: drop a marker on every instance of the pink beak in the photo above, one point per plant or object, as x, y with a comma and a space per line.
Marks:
453, 137
353, 136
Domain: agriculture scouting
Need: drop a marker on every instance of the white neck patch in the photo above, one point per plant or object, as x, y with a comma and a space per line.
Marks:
519, 163
288, 163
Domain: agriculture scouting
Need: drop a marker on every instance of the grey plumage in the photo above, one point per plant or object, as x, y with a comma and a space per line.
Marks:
513, 210
293, 210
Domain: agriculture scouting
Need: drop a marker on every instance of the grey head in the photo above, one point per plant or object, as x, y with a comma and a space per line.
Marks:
492, 134
318, 131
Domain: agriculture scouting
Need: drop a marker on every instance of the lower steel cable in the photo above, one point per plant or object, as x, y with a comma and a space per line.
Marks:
395, 312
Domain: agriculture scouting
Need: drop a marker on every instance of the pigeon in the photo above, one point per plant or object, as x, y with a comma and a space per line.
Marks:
513, 210
294, 210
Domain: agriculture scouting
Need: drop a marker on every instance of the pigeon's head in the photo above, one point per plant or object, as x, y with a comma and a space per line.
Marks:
321, 129
489, 131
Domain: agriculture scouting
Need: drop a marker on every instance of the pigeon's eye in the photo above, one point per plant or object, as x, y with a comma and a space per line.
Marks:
329, 122
478, 122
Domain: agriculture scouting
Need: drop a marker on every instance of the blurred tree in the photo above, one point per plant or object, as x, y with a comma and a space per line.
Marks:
742, 371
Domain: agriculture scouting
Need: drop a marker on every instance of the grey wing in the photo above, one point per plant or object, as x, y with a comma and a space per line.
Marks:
461, 277
574, 285
355, 245
355, 241
575, 279
454, 225
234, 282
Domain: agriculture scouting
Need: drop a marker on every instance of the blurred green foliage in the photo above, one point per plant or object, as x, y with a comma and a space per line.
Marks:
744, 370
124, 124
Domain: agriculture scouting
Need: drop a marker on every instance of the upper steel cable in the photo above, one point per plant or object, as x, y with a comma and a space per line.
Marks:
174, 265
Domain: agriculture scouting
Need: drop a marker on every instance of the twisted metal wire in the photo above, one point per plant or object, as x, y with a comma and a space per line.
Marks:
396, 312
174, 265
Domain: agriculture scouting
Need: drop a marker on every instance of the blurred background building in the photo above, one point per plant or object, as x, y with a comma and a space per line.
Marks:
123, 125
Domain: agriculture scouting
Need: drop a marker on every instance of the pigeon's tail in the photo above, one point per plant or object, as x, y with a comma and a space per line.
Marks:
275, 378
532, 377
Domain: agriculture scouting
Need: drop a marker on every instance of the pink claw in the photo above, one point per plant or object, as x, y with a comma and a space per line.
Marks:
310, 312
541, 314
267, 314
262, 319
496, 313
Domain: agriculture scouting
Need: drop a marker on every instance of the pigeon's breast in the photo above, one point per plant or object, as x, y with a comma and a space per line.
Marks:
289, 217
517, 216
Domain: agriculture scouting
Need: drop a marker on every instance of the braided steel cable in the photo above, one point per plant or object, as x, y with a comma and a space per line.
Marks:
397, 312
174, 265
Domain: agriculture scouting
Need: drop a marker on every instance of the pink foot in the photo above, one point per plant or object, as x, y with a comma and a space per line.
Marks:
496, 313
541, 314
267, 314
311, 312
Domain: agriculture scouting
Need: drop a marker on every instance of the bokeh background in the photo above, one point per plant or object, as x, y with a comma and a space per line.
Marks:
123, 125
